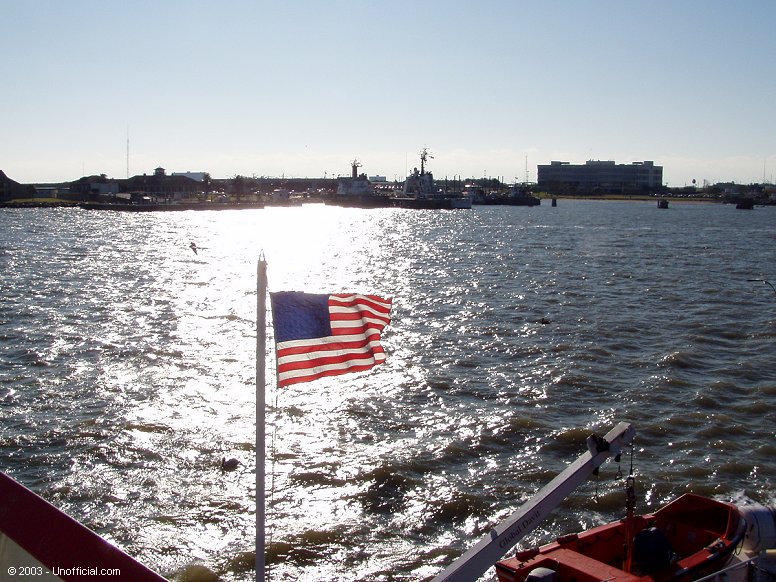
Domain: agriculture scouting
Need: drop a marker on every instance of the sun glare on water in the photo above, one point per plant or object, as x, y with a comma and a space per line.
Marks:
193, 401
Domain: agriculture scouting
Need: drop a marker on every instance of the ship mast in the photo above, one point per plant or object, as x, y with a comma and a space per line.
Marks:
424, 155
526, 169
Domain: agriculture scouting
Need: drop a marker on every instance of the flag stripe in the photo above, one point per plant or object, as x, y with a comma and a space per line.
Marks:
345, 313
331, 342
377, 303
364, 300
310, 357
326, 362
352, 329
354, 322
339, 312
348, 313
332, 351
288, 381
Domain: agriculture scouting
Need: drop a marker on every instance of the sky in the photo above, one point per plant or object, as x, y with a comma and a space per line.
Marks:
301, 88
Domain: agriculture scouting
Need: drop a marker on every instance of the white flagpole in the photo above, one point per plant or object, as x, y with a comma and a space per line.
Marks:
261, 351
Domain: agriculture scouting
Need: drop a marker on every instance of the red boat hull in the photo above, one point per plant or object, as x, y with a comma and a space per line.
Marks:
688, 538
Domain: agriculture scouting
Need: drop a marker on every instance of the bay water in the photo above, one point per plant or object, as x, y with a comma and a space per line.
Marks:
128, 369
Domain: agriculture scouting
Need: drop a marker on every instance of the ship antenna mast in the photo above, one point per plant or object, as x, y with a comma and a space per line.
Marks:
424, 155
526, 169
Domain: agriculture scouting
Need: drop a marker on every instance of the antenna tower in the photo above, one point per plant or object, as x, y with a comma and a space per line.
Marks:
424, 155
526, 169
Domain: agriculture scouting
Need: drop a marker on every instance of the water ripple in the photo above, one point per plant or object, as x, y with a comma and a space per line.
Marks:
127, 368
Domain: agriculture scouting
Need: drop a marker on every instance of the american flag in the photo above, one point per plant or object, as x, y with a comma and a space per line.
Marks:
324, 335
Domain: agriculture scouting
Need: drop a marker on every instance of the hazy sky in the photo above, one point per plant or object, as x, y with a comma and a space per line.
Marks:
301, 88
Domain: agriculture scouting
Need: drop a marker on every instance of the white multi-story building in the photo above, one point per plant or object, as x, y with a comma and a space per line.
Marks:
606, 175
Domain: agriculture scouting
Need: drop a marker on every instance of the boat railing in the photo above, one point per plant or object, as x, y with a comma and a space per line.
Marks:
724, 573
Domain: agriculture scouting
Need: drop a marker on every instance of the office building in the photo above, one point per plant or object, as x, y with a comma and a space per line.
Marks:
601, 175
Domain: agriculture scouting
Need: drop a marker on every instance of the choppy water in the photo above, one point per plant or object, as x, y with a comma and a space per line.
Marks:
127, 372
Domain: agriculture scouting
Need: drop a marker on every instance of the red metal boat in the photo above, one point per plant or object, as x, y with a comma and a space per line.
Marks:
690, 537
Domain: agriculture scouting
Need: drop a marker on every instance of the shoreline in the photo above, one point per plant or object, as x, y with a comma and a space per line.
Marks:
57, 203
636, 198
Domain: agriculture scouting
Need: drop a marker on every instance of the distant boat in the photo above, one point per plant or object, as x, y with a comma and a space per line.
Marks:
662, 203
356, 185
420, 191
284, 197
357, 191
518, 195
280, 196
475, 192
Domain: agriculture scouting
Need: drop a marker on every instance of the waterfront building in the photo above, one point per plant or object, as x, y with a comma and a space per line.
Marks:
606, 176
196, 176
